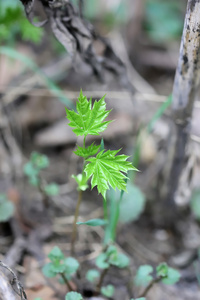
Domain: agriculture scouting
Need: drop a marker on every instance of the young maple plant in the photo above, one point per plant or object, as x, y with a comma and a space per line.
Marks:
105, 168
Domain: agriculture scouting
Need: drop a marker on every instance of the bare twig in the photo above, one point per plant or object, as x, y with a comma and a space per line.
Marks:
15, 280
100, 282
66, 282
149, 286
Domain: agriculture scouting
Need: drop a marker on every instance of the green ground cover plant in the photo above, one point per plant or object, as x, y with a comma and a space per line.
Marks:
32, 169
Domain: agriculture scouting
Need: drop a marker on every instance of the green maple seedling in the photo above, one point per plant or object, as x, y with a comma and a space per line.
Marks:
105, 168
60, 265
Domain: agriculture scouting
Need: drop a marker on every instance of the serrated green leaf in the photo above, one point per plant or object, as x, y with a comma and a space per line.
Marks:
71, 266
173, 276
51, 189
88, 151
81, 181
108, 290
6, 208
92, 275
106, 169
93, 222
73, 296
56, 254
143, 276
89, 118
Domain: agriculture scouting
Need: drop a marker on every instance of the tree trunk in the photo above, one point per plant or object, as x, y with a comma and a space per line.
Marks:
184, 90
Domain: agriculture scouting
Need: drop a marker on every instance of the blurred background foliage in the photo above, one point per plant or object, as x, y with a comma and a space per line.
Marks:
164, 20
14, 24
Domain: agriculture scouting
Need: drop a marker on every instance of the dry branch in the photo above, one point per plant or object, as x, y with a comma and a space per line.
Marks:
79, 37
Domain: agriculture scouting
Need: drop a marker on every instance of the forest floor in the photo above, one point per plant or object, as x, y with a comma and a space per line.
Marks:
36, 121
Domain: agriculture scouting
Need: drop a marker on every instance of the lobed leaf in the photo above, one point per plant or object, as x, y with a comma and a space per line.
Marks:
87, 151
89, 118
106, 169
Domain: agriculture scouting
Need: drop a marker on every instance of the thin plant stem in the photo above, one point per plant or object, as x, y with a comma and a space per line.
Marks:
74, 230
66, 281
105, 209
130, 283
84, 141
149, 286
100, 282
45, 198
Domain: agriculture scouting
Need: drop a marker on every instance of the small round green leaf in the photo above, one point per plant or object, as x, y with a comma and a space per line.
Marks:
51, 189
71, 265
143, 276
173, 276
108, 290
34, 180
101, 261
30, 170
6, 209
73, 296
120, 260
40, 161
47, 271
195, 204
132, 204
92, 275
